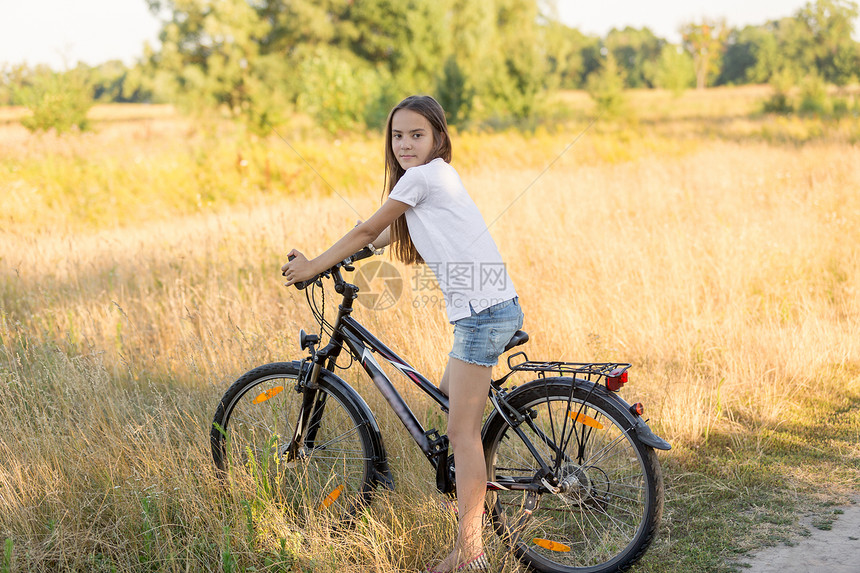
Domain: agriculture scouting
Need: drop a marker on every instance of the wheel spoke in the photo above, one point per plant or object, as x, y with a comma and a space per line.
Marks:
330, 471
605, 510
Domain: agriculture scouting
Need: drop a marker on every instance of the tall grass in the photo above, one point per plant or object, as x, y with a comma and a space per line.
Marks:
722, 266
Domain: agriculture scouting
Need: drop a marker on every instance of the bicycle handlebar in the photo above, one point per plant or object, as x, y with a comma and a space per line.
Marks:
346, 263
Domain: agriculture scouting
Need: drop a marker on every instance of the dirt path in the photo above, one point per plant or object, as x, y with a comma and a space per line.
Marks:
834, 551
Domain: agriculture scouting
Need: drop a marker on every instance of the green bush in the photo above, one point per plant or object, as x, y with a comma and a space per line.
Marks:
337, 89
454, 92
780, 101
606, 88
813, 96
58, 101
674, 70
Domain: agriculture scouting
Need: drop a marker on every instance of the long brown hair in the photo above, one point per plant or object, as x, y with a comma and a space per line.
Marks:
401, 242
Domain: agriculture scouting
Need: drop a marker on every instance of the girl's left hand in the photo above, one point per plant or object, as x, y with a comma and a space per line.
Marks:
298, 269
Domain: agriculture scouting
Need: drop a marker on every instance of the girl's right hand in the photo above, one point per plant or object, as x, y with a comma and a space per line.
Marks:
297, 268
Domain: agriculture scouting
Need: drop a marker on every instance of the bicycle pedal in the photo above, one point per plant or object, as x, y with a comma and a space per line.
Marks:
444, 478
436, 441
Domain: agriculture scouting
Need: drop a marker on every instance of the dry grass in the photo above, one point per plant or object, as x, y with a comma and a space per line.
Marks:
722, 266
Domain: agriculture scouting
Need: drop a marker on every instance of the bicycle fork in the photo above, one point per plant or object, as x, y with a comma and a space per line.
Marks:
313, 402
310, 414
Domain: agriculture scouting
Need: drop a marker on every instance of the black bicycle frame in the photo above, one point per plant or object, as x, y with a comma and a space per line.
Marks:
362, 345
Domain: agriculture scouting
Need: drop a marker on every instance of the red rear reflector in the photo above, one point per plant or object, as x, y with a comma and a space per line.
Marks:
637, 408
615, 380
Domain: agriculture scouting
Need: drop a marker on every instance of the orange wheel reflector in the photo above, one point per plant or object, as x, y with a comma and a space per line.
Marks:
587, 420
551, 545
332, 497
270, 393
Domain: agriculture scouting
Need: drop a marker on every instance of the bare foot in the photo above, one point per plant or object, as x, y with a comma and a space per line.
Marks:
458, 561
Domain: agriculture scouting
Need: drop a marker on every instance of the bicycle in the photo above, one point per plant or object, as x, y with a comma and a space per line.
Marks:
574, 484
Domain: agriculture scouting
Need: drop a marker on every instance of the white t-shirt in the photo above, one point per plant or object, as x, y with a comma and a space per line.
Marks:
452, 238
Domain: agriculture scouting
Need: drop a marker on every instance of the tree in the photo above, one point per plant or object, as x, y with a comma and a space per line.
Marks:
674, 69
828, 26
752, 56
794, 43
782, 83
606, 88
706, 43
563, 48
769, 59
410, 38
253, 58
337, 86
307, 23
454, 93
465, 74
114, 82
518, 74
633, 50
213, 50
57, 100
496, 60
12, 79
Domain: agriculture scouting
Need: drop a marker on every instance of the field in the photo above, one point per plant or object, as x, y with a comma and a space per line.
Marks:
713, 247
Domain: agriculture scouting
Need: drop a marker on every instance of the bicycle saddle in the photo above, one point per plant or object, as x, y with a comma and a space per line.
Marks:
519, 337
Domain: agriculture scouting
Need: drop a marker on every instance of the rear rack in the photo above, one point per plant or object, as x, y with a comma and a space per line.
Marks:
590, 371
584, 368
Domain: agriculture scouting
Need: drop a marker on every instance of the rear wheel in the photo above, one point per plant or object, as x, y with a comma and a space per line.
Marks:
327, 471
610, 488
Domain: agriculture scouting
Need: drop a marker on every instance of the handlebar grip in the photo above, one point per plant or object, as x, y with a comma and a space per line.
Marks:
362, 254
303, 284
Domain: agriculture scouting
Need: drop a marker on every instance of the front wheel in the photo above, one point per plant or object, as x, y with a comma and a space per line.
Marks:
313, 451
607, 488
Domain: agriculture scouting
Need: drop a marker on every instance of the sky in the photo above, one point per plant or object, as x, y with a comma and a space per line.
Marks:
61, 33
665, 17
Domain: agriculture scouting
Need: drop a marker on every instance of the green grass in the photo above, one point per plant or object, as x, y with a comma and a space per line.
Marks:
151, 504
126, 309
743, 490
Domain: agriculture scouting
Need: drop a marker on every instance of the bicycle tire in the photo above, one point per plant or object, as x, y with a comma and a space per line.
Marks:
611, 509
331, 472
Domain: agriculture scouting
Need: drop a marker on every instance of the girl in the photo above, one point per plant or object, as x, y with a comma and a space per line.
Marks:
430, 218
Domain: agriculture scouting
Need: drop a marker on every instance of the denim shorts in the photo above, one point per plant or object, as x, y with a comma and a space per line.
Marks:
481, 337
